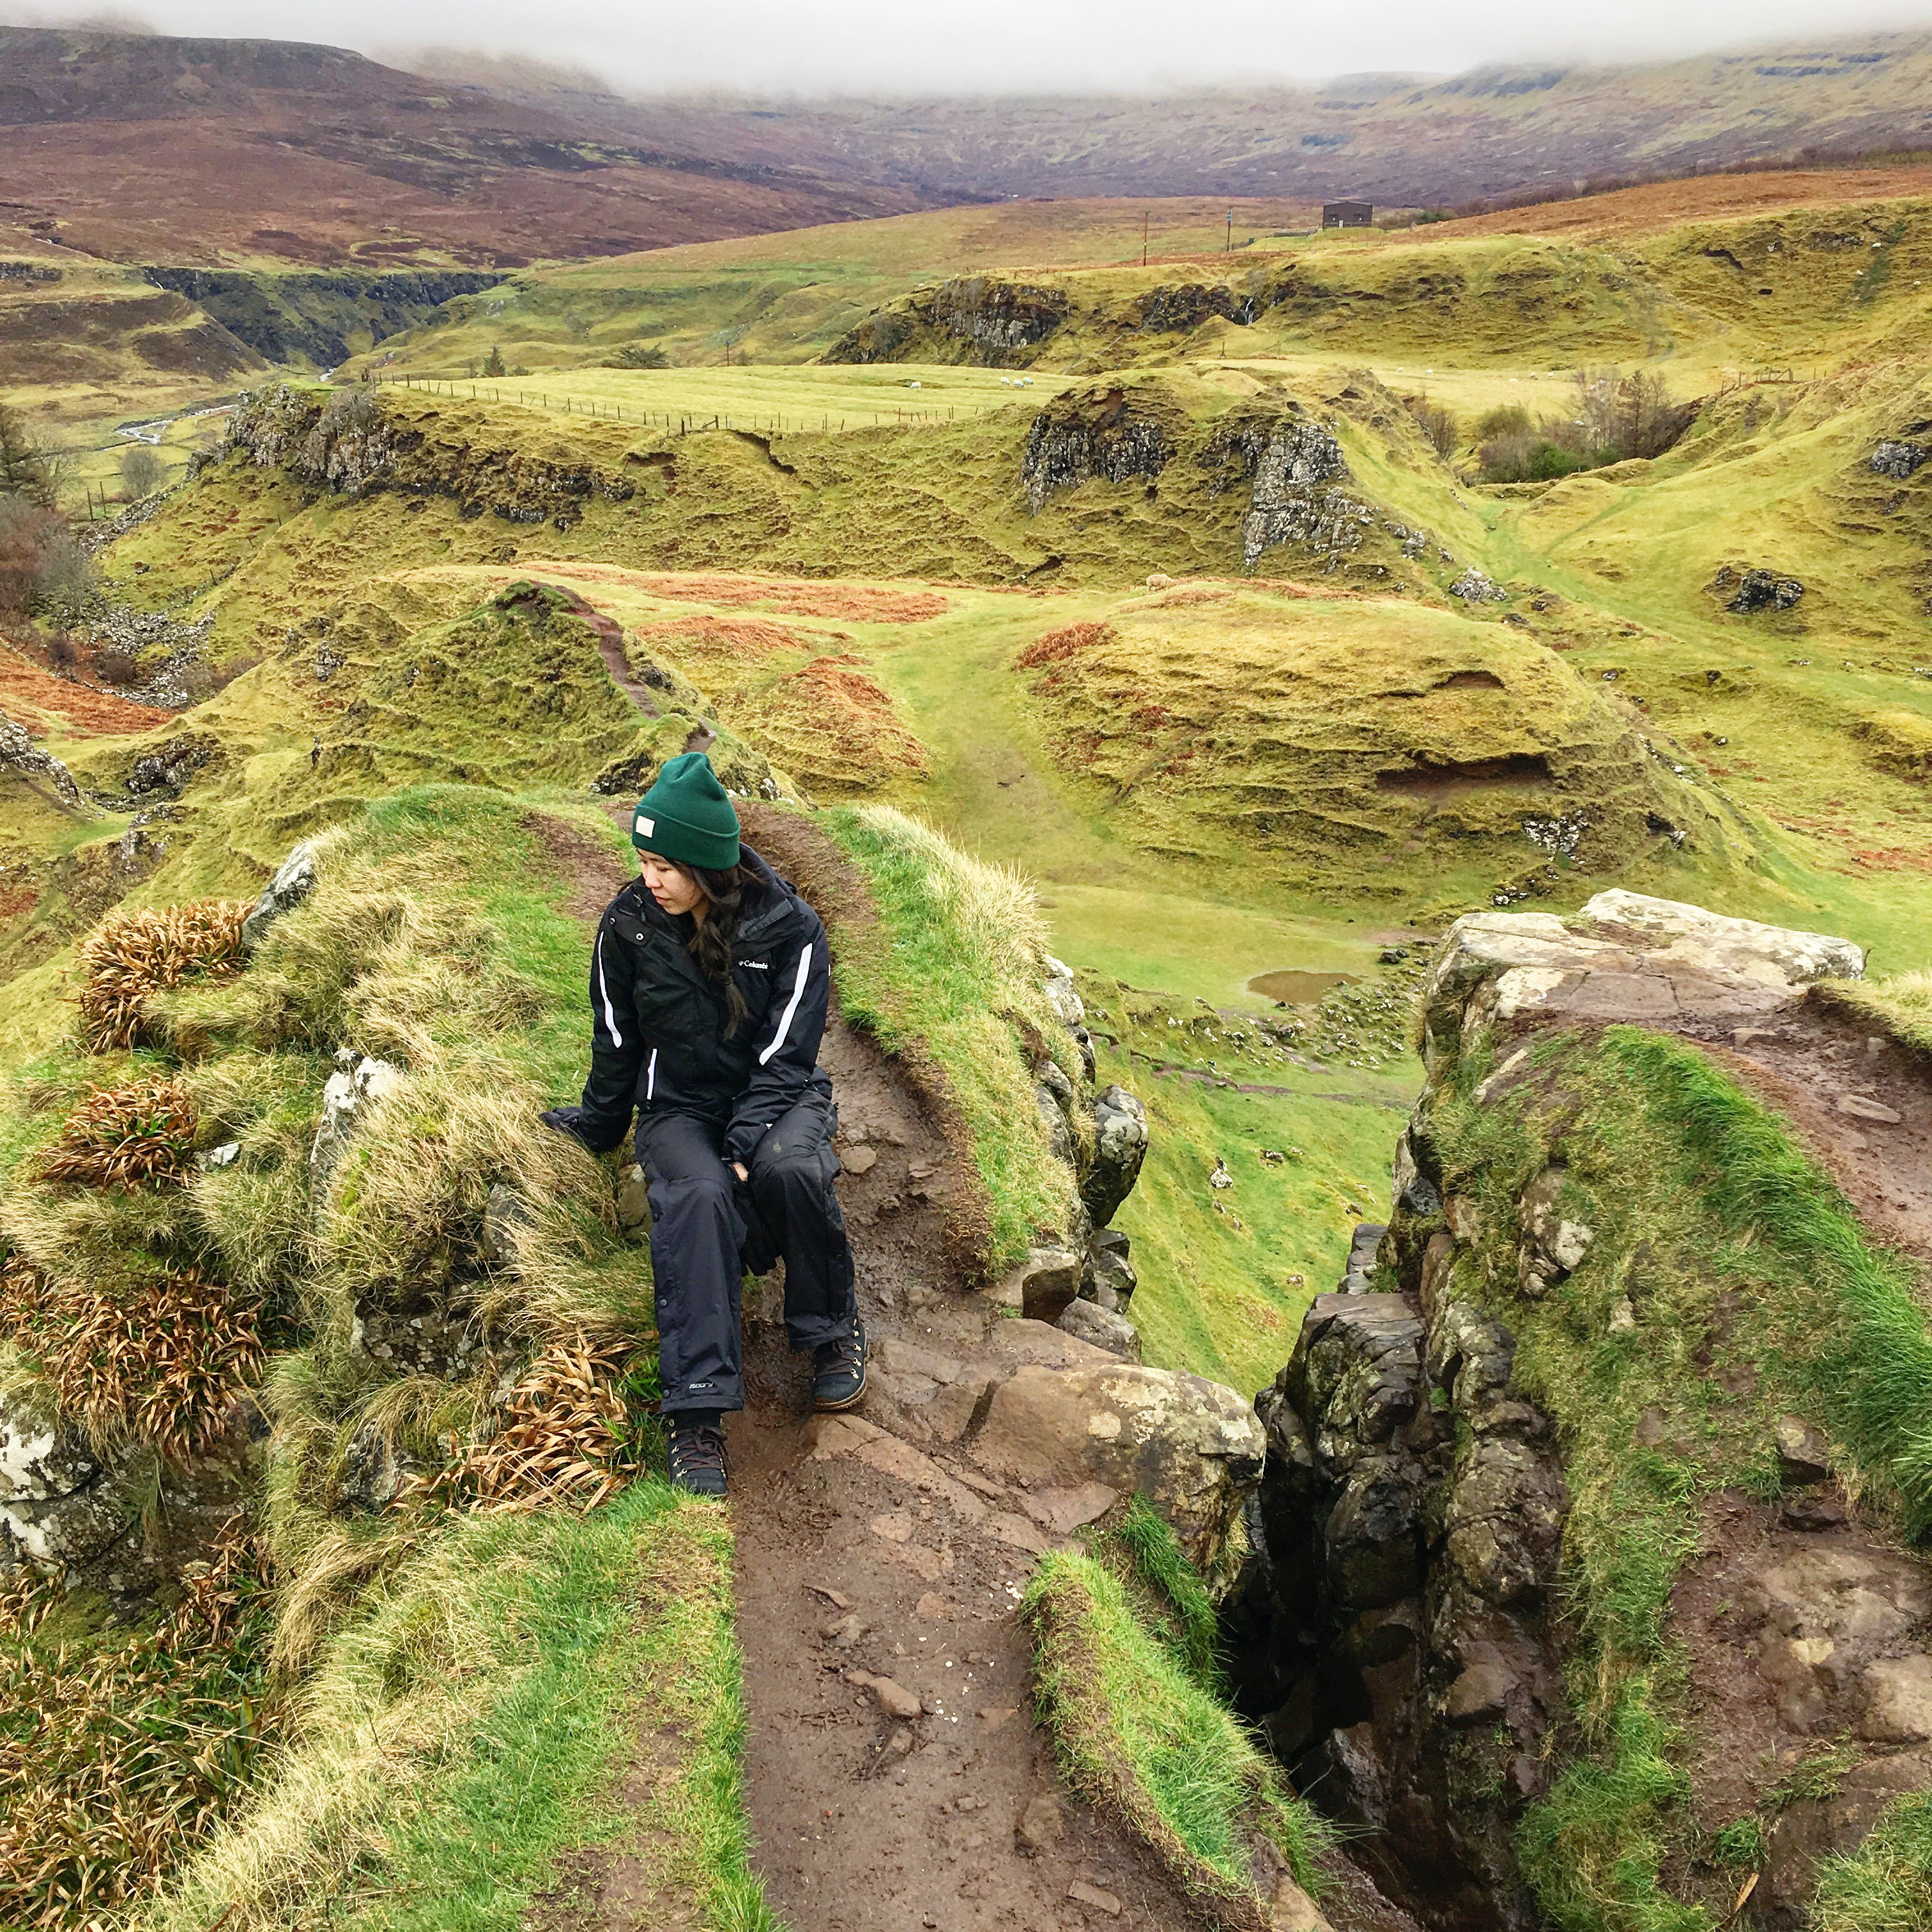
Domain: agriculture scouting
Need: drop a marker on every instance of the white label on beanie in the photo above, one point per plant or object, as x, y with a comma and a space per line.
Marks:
648, 826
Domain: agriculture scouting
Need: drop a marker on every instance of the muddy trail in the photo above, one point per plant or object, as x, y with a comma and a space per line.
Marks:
896, 1780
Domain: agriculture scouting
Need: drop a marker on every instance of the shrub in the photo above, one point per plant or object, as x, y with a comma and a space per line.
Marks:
117, 1754
133, 954
154, 1358
124, 1137
640, 355
1439, 423
141, 472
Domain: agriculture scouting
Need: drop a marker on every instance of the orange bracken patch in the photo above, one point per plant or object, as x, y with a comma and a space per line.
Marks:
25, 687
727, 637
1064, 643
832, 726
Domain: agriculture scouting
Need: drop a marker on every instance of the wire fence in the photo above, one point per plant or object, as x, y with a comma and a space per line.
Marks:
683, 422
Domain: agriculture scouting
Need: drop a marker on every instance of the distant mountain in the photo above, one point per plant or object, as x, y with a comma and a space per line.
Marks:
140, 147
234, 153
1496, 133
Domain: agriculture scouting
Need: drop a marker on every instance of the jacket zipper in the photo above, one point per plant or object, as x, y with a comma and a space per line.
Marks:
651, 1076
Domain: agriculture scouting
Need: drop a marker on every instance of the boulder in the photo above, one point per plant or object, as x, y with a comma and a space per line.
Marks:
1108, 1278
1191, 1448
1043, 1284
1120, 1144
506, 1216
1899, 460
294, 880
1103, 1327
358, 1083
57, 1506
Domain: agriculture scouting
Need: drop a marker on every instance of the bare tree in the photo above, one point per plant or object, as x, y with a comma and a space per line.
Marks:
141, 472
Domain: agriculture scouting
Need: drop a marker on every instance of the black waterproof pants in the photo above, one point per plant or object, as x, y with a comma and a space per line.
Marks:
708, 1227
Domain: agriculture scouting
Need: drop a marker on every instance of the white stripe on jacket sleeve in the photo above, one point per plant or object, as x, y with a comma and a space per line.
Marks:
603, 986
791, 1007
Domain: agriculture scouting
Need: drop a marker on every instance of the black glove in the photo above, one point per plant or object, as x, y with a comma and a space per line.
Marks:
569, 1120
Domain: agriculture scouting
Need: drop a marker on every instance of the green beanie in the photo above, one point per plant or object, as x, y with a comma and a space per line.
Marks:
687, 816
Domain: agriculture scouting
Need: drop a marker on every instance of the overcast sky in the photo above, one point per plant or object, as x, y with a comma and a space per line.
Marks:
1021, 45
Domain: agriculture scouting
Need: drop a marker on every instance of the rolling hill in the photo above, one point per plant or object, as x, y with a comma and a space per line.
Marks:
141, 147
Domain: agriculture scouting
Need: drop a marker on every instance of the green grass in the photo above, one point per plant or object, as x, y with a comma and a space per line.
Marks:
475, 1726
958, 956
1137, 1731
1885, 1886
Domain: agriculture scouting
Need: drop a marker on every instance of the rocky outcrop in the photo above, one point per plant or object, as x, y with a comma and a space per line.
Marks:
1624, 956
351, 444
1403, 1628
1111, 433
312, 317
1177, 308
996, 323
169, 766
1899, 460
1748, 591
20, 755
1391, 1629
998, 316
294, 880
1290, 464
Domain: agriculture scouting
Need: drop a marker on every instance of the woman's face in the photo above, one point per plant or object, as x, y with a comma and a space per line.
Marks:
671, 885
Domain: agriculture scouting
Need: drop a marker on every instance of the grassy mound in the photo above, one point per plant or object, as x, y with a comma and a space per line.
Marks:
1126, 1685
1327, 740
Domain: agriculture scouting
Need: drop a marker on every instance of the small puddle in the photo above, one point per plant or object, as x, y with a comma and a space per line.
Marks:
1297, 988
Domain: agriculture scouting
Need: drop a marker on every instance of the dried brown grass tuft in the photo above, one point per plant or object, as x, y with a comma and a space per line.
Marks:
1064, 643
124, 1137
564, 1435
157, 1360
116, 1757
135, 953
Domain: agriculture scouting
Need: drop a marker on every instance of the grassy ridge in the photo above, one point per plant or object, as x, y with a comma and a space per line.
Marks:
1700, 1206
472, 1728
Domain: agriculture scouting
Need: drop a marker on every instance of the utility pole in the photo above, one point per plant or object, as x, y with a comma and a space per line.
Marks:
1230, 247
1144, 234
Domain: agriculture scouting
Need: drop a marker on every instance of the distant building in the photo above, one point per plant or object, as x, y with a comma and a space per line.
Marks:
1348, 214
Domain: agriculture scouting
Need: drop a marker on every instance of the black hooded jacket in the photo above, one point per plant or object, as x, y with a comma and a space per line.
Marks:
657, 1038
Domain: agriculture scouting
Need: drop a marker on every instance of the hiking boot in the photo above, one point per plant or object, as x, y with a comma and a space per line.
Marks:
695, 1450
838, 1369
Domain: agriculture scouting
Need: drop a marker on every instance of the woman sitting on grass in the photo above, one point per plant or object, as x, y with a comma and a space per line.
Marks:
708, 985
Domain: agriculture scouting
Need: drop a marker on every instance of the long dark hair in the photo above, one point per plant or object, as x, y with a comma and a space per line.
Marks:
714, 938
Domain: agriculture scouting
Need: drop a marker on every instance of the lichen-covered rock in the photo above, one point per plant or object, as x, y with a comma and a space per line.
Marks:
1290, 463
996, 315
1191, 1447
170, 765
1624, 956
1474, 587
1104, 1327
1114, 433
1108, 1279
1899, 460
1119, 1149
57, 1507
294, 880
353, 1088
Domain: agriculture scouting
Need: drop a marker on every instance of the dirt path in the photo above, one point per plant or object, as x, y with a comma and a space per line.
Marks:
870, 1548
1833, 1081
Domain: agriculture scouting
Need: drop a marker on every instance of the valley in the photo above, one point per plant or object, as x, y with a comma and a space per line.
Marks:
1390, 761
